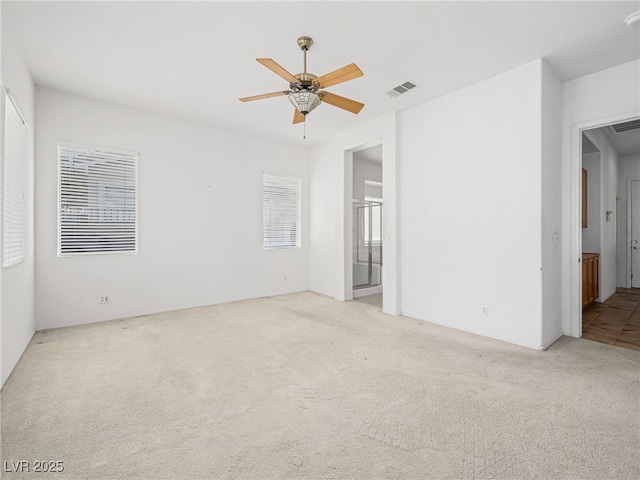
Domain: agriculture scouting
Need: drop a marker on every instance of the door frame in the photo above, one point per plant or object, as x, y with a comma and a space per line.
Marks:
383, 130
348, 213
628, 235
574, 262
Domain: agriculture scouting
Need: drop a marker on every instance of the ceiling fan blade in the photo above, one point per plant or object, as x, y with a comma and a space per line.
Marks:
277, 69
298, 117
341, 102
264, 95
348, 72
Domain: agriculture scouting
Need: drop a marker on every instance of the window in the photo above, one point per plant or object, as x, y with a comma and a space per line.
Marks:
15, 153
97, 201
281, 211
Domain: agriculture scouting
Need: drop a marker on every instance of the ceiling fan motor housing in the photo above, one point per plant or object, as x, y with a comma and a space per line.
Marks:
305, 43
307, 82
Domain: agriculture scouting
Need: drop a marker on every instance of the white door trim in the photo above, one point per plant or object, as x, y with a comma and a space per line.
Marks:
575, 257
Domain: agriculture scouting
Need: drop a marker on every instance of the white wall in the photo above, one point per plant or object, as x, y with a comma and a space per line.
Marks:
200, 216
330, 262
17, 282
551, 206
591, 234
365, 170
594, 100
608, 262
471, 217
628, 167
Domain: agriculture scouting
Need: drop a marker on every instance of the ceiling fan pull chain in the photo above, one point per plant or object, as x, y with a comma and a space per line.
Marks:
304, 128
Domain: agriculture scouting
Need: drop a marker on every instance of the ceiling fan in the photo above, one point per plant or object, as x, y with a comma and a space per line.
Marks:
306, 89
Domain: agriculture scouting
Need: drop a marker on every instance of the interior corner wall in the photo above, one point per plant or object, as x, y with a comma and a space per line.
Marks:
610, 94
551, 206
628, 167
364, 170
17, 283
470, 172
200, 216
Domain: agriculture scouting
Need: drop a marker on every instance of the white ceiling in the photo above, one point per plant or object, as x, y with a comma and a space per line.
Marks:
195, 59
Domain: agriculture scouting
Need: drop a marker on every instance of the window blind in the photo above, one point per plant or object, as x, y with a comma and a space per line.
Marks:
281, 212
98, 200
15, 152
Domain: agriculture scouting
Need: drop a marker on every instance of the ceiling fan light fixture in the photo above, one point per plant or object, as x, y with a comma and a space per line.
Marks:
304, 100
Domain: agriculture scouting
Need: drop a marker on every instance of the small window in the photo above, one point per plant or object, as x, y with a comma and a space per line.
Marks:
98, 200
281, 212
15, 154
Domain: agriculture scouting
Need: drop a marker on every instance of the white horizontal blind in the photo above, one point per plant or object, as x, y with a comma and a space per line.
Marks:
98, 200
15, 153
281, 212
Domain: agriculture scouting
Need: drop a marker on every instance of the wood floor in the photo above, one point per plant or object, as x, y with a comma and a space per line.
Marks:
615, 321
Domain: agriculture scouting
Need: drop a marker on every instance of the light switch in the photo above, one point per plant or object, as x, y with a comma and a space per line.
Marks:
556, 239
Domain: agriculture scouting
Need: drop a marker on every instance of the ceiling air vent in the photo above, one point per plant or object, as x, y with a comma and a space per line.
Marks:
626, 126
400, 89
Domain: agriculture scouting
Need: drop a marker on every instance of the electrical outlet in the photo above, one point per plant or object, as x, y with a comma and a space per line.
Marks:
104, 299
284, 278
485, 310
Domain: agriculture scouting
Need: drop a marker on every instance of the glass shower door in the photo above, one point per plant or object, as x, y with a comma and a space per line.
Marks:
367, 254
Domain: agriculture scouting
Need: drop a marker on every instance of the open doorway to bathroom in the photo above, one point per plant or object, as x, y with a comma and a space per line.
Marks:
367, 201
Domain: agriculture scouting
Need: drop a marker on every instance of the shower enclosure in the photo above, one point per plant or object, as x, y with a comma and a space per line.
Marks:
367, 244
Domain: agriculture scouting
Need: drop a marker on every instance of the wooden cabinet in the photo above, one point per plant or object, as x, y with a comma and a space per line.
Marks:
584, 198
590, 267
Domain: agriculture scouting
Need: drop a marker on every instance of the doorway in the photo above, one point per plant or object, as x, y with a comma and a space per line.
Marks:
366, 225
610, 234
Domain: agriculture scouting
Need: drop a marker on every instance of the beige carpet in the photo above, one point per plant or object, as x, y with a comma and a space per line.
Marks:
303, 387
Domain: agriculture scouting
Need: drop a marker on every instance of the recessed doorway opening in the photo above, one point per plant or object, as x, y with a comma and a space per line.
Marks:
609, 219
366, 225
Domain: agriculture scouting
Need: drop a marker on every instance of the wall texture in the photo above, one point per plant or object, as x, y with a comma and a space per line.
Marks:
200, 216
